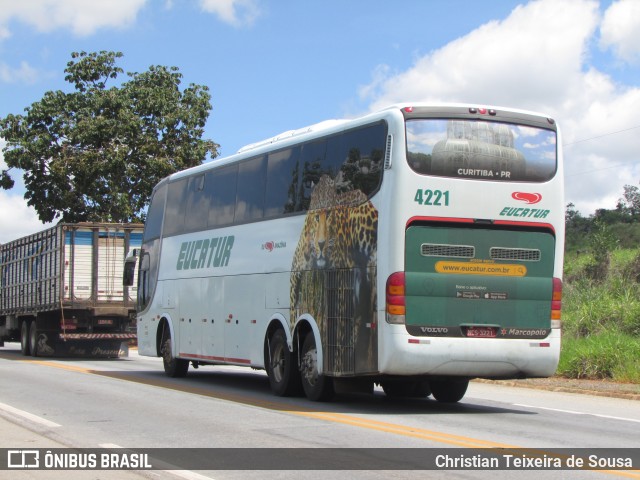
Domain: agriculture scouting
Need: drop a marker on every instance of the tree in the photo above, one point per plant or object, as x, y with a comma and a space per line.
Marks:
96, 153
630, 203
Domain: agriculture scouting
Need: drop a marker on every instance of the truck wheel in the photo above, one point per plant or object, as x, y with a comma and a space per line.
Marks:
317, 388
448, 391
33, 339
173, 367
24, 338
284, 377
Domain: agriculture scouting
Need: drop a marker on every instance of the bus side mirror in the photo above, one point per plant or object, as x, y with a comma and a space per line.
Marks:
130, 268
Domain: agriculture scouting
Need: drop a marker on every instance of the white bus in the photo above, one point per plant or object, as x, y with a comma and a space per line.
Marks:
414, 248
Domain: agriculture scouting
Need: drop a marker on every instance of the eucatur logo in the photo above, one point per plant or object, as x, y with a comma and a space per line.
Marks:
529, 198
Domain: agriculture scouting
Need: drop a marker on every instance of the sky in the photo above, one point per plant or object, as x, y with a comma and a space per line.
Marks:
273, 66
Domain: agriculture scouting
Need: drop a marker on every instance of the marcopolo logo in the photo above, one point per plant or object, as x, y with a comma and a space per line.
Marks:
209, 252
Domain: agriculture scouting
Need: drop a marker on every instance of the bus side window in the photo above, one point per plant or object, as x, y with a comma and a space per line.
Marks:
220, 188
283, 183
312, 161
197, 213
251, 184
153, 225
358, 155
175, 210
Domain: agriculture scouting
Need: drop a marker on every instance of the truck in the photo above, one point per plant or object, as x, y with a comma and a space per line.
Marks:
61, 290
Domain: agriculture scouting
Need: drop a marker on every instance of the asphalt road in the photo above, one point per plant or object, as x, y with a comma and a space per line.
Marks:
130, 403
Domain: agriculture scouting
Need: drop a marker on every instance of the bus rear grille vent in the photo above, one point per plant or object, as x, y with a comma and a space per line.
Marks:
436, 250
522, 254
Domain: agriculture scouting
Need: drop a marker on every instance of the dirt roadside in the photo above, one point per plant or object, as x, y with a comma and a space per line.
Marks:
601, 388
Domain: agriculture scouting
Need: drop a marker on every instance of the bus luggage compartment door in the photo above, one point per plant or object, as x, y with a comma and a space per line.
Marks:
466, 281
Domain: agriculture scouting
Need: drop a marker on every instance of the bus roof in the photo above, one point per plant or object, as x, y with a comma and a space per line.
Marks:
333, 126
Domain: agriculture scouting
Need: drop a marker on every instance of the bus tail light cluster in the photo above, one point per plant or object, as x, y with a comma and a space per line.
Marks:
396, 309
556, 303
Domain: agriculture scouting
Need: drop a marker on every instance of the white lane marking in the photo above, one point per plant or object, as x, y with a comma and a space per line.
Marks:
573, 412
186, 474
28, 416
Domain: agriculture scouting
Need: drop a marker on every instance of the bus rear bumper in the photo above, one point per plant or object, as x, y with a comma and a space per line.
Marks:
403, 354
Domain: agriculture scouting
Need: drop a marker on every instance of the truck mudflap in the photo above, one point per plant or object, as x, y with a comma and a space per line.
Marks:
111, 345
491, 282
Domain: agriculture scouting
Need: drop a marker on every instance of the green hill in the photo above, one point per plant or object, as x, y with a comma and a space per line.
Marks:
601, 299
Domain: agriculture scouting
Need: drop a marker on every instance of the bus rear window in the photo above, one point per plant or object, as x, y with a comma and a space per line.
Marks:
481, 150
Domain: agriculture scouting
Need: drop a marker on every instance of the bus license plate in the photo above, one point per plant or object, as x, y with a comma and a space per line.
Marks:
482, 332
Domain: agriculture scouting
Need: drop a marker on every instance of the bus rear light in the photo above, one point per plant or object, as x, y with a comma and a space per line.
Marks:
482, 111
396, 309
556, 303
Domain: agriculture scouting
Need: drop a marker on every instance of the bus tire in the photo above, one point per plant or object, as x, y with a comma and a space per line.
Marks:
24, 338
317, 388
450, 390
173, 367
284, 377
33, 338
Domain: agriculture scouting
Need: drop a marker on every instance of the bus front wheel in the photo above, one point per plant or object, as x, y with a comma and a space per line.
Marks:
284, 377
173, 367
450, 390
316, 387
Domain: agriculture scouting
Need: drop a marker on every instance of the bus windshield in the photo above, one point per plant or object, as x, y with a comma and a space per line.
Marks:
481, 150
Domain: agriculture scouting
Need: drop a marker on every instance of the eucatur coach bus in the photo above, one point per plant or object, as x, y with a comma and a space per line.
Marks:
414, 248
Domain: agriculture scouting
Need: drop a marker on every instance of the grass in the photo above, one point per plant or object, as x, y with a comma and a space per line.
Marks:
610, 355
601, 317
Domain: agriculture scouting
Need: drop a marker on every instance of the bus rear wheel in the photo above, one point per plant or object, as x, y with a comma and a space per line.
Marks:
284, 377
449, 390
317, 388
173, 367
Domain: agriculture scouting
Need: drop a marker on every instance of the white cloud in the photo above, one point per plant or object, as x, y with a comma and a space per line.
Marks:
82, 17
234, 12
537, 59
17, 219
532, 59
620, 30
24, 74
